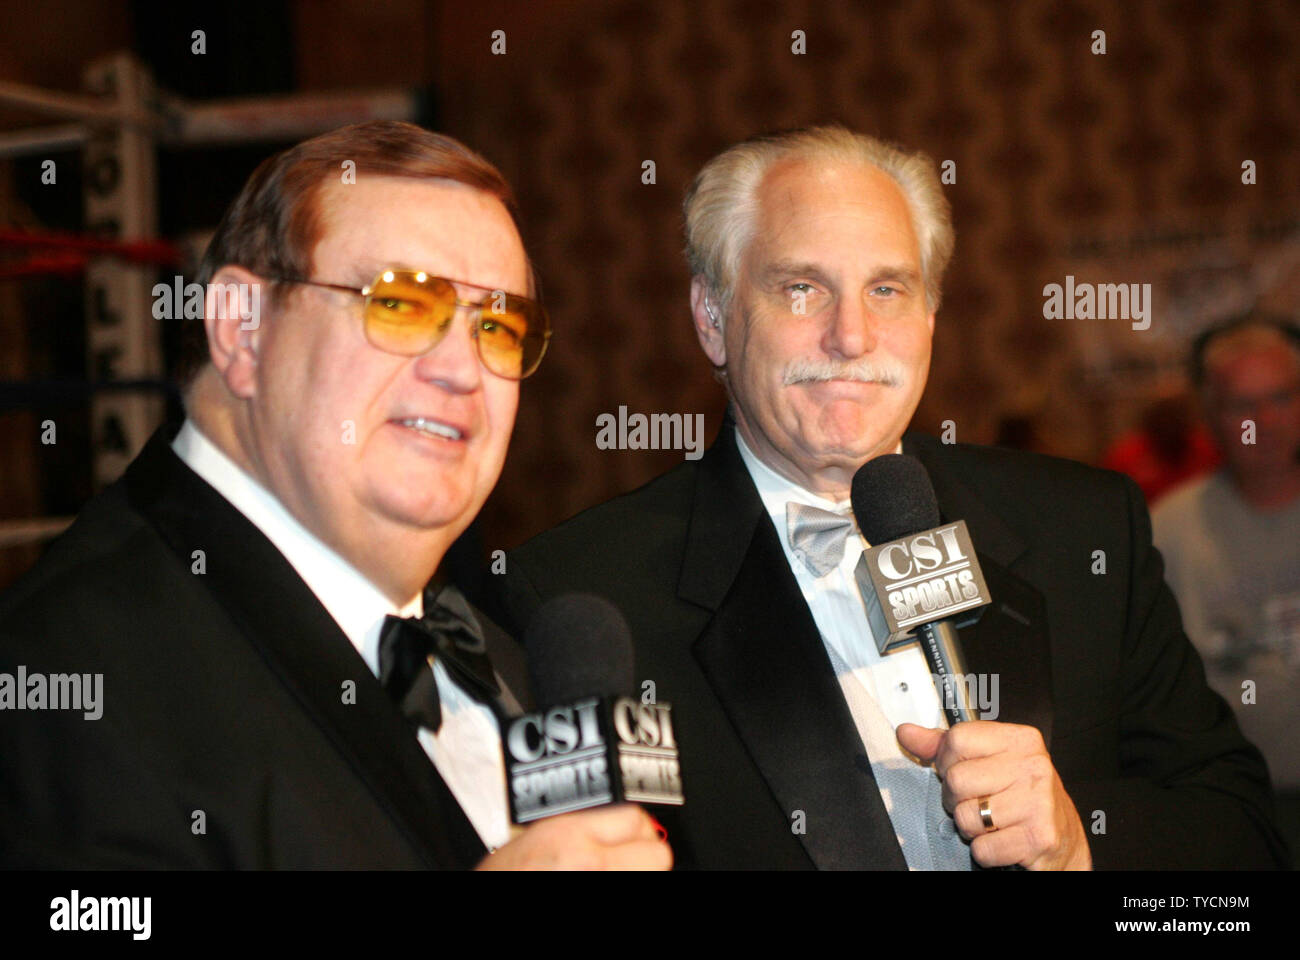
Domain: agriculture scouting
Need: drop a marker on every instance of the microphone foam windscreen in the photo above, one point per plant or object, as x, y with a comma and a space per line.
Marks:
892, 497
578, 646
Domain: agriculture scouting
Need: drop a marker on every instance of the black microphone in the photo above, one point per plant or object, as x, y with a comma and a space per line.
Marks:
925, 573
592, 744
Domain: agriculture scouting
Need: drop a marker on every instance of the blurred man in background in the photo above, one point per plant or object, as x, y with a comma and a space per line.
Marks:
1231, 541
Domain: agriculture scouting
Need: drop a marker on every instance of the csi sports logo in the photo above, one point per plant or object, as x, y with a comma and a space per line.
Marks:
927, 576
561, 760
558, 761
647, 752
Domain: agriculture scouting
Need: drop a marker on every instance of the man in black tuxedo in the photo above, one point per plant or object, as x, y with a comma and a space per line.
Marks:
817, 258
275, 684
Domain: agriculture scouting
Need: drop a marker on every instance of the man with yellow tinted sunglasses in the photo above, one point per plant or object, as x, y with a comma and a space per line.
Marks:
281, 686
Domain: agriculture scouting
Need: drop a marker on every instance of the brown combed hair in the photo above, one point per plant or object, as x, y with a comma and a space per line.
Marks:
273, 226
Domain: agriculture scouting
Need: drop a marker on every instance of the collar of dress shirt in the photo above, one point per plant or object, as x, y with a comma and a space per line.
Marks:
356, 604
776, 491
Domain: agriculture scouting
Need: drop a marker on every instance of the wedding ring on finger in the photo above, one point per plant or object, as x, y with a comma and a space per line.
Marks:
986, 815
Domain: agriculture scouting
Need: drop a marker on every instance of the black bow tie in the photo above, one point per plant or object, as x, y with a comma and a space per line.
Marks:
447, 631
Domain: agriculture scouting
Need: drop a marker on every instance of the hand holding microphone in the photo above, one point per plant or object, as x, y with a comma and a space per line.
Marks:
999, 783
1004, 794
618, 837
571, 765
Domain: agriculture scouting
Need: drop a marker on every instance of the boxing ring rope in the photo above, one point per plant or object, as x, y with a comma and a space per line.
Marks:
15, 533
118, 123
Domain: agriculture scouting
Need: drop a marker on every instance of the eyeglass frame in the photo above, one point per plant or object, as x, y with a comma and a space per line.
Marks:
368, 290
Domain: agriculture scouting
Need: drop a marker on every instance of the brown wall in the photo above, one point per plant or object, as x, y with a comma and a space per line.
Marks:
1052, 144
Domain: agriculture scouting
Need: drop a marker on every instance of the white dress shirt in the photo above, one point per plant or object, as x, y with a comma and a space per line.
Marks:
881, 691
466, 750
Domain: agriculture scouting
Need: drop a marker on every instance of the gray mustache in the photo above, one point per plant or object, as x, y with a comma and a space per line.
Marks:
863, 371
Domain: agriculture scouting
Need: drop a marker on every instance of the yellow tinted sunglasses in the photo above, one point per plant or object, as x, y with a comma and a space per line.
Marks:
407, 312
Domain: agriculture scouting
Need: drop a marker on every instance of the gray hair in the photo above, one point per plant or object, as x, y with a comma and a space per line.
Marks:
721, 204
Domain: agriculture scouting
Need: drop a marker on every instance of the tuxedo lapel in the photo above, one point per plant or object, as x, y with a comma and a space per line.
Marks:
957, 501
298, 639
763, 656
1010, 640
510, 665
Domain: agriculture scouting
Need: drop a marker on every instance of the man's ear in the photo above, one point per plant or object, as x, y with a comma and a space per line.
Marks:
708, 323
232, 316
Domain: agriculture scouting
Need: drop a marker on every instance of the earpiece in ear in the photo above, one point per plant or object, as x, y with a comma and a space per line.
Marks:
708, 308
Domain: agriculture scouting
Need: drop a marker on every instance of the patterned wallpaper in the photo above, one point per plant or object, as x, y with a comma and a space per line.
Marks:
1122, 167
1060, 153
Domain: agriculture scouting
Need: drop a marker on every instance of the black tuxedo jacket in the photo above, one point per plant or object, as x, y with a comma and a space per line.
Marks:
1096, 661
225, 703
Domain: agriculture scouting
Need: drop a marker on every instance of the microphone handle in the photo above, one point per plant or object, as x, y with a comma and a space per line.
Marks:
943, 653
942, 649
